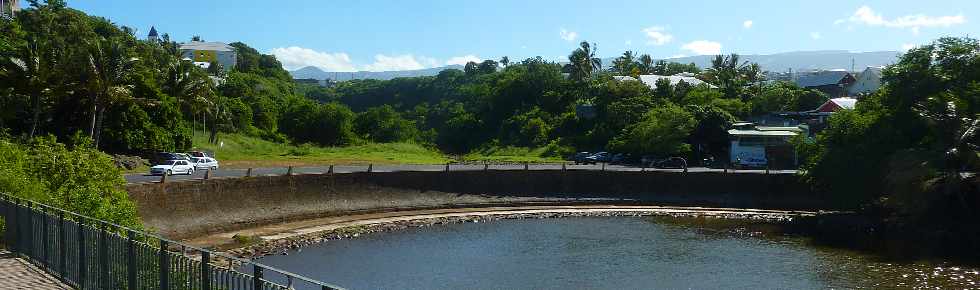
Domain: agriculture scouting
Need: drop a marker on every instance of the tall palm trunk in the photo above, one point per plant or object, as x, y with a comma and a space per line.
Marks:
100, 115
213, 138
92, 112
36, 115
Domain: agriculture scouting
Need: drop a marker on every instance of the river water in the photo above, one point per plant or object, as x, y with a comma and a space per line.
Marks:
604, 253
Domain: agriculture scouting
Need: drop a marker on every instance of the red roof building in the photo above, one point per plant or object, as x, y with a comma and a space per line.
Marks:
837, 104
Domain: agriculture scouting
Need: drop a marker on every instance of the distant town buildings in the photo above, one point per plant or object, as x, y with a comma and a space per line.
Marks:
9, 7
755, 145
204, 53
651, 80
834, 83
153, 36
316, 82
761, 146
868, 81
837, 104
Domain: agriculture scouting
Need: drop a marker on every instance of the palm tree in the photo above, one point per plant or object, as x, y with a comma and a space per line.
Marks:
625, 64
222, 115
189, 85
730, 75
646, 64
27, 72
584, 62
109, 65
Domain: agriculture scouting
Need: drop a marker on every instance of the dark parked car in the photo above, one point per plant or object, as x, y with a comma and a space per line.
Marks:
161, 157
672, 162
711, 162
648, 160
581, 158
604, 157
620, 158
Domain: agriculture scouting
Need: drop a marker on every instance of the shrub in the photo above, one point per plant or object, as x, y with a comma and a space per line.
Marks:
80, 179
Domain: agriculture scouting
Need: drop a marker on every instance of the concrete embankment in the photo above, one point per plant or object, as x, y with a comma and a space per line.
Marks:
194, 208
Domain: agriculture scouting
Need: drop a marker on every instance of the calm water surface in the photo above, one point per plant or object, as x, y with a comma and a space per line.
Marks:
602, 253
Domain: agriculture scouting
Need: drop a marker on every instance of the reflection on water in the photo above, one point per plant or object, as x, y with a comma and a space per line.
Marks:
605, 253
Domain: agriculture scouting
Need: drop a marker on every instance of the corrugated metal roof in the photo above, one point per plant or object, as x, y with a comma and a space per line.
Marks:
820, 78
734, 132
200, 45
846, 103
651, 80
781, 128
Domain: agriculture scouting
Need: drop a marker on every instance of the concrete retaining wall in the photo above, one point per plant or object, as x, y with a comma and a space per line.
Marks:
191, 208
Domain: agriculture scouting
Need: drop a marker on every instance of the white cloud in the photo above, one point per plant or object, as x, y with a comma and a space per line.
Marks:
398, 62
815, 35
907, 46
629, 43
656, 35
702, 47
677, 56
747, 24
295, 57
867, 16
568, 35
462, 60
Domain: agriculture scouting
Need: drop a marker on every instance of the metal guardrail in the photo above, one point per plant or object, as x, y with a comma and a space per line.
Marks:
88, 253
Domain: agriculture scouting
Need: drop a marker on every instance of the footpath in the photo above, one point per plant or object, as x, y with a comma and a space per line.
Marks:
16, 273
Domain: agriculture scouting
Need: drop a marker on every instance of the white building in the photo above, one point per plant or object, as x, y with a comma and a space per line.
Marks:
651, 80
759, 146
207, 52
868, 81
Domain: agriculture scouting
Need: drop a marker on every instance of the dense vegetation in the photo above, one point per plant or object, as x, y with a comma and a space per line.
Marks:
76, 178
577, 106
93, 85
907, 156
66, 72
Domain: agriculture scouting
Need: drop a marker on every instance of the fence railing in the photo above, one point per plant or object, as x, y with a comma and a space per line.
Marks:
88, 253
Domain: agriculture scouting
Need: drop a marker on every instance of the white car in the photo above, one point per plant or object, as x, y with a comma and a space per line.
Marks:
171, 167
205, 163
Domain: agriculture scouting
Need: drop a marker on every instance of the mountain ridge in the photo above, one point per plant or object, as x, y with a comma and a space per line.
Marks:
776, 62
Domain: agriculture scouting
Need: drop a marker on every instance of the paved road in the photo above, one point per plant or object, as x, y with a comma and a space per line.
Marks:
139, 178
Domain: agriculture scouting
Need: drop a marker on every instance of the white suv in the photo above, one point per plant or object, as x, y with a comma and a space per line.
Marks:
205, 163
170, 167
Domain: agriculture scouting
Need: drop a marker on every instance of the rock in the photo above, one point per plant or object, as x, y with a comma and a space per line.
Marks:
129, 162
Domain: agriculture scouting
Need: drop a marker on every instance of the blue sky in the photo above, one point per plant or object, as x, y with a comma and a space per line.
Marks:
398, 35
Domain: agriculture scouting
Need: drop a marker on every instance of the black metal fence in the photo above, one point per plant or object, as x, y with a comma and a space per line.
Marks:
88, 253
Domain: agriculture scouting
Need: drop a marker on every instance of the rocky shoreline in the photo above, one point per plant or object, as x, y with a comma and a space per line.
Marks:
281, 246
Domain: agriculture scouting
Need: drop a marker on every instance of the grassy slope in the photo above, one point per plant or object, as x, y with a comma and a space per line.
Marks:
511, 154
240, 151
